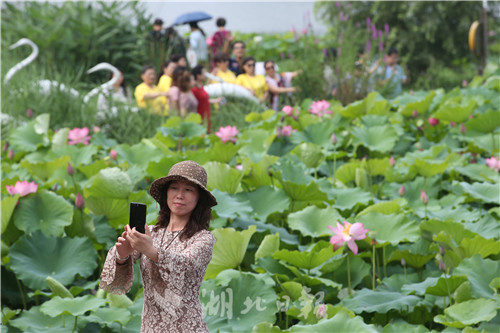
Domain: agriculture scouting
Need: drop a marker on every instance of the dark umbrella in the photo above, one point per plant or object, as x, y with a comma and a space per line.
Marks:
192, 17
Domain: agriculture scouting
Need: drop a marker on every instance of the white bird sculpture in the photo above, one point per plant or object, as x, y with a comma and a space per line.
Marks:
106, 86
44, 85
227, 89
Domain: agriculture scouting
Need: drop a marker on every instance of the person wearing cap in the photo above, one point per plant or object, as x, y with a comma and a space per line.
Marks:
174, 253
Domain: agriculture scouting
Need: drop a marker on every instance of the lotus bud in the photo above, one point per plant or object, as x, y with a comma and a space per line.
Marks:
392, 161
402, 190
11, 154
403, 262
238, 167
97, 129
411, 92
442, 266
113, 154
452, 123
471, 116
414, 113
441, 250
464, 83
423, 197
333, 139
462, 128
79, 202
321, 313
5, 147
71, 170
29, 113
433, 121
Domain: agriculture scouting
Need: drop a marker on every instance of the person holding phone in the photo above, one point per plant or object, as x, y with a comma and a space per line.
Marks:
174, 253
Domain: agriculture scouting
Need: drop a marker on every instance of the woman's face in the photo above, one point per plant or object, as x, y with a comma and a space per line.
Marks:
270, 69
249, 67
202, 77
149, 77
223, 65
182, 62
182, 197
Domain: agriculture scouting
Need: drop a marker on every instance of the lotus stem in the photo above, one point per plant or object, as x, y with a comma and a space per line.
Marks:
74, 326
349, 276
373, 267
447, 285
334, 162
22, 293
383, 262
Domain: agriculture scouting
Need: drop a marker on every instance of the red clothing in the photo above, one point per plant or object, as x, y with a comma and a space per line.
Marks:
203, 104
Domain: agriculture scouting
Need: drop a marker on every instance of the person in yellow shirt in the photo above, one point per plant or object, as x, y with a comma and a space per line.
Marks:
168, 68
150, 96
221, 69
256, 84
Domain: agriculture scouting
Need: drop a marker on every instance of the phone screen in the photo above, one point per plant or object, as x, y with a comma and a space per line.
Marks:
138, 216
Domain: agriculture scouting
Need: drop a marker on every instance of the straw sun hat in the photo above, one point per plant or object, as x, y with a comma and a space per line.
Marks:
186, 170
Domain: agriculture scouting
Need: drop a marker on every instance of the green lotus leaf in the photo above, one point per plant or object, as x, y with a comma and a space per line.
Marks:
332, 264
452, 111
266, 327
139, 154
257, 143
306, 260
229, 250
222, 177
480, 272
313, 221
93, 169
45, 211
375, 104
468, 313
221, 152
269, 245
486, 192
318, 133
485, 143
366, 300
120, 301
160, 168
493, 83
78, 155
446, 285
398, 327
460, 213
71, 306
183, 129
455, 230
259, 172
82, 225
416, 254
462, 293
304, 195
60, 138
34, 258
385, 207
484, 123
480, 245
495, 285
428, 168
285, 236
478, 172
407, 103
239, 305
393, 228
376, 138
33, 320
164, 142
44, 170
293, 170
231, 206
266, 200
110, 183
341, 322
30, 136
353, 110
347, 198
108, 316
310, 154
115, 210
359, 270
58, 289
8, 206
292, 289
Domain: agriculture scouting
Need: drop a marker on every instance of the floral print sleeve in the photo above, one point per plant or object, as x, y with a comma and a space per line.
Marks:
115, 278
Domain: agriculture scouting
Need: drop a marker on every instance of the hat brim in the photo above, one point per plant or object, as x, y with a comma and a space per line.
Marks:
158, 187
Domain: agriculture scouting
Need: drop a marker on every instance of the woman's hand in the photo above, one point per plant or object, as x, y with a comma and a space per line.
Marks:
123, 247
142, 242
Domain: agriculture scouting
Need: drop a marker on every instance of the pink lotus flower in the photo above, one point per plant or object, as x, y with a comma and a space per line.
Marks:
286, 130
392, 161
227, 133
10, 155
238, 167
423, 197
348, 233
464, 83
29, 113
5, 147
402, 190
403, 262
493, 163
96, 129
462, 128
22, 188
79, 202
113, 154
320, 108
79, 135
288, 110
414, 113
433, 121
453, 124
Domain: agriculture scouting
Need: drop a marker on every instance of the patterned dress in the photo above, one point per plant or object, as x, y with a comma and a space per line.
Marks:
171, 287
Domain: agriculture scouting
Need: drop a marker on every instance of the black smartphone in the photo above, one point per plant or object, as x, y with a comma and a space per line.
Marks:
138, 216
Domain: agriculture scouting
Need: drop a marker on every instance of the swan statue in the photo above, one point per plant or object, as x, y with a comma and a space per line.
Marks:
106, 86
227, 89
45, 86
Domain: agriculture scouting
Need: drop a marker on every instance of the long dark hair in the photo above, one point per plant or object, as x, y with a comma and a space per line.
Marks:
199, 219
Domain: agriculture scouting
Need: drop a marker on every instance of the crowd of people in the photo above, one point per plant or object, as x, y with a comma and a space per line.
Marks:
179, 89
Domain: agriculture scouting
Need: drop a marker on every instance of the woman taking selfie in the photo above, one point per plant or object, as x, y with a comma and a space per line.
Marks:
174, 253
